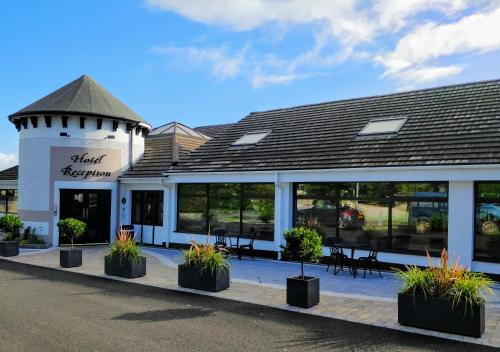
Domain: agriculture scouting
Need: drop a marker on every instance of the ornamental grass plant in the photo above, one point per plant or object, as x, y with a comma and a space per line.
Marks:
450, 281
206, 257
124, 248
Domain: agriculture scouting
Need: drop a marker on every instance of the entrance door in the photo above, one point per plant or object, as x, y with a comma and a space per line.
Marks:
90, 206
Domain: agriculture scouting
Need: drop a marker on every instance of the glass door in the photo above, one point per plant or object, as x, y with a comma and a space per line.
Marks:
90, 206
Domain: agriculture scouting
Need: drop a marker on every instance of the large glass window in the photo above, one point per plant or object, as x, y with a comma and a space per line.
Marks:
233, 207
8, 201
192, 208
487, 225
258, 210
147, 208
400, 217
224, 207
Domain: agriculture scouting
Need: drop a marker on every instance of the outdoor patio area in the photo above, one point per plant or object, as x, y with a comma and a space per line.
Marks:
370, 300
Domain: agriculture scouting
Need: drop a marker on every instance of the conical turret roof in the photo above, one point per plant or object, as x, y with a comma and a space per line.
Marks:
83, 96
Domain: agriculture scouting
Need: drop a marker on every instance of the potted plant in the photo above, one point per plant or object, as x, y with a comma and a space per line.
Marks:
205, 268
10, 225
303, 291
124, 258
71, 229
447, 298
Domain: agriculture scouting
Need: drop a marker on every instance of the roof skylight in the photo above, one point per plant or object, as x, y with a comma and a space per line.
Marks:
251, 138
383, 126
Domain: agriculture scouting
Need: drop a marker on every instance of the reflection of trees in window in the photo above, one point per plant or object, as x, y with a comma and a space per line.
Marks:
405, 217
8, 201
235, 208
192, 208
487, 221
147, 208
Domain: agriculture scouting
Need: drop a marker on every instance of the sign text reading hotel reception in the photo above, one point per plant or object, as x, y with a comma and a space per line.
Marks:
84, 164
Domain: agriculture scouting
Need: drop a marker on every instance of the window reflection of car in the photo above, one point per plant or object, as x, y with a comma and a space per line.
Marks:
427, 216
489, 219
349, 218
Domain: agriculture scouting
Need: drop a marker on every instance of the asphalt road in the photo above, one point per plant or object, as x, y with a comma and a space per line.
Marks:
48, 310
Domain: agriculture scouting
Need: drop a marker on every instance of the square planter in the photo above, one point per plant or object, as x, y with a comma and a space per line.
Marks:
9, 248
70, 258
438, 314
125, 268
302, 292
206, 280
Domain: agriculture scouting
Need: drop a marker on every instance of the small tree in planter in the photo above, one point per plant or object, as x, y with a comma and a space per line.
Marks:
450, 292
124, 258
303, 291
10, 225
205, 268
71, 229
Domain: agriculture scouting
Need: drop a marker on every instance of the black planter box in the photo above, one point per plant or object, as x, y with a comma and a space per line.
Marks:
206, 280
70, 258
302, 292
125, 268
437, 314
9, 248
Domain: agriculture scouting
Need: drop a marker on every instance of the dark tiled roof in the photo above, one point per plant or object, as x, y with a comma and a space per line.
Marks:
81, 96
9, 174
160, 151
450, 125
157, 157
214, 130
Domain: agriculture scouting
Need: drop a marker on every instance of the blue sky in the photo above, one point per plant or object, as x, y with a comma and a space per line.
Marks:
214, 61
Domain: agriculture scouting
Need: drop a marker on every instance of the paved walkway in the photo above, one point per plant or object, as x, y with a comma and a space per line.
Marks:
370, 301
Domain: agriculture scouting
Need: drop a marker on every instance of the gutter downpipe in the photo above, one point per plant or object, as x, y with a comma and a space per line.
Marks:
277, 215
167, 211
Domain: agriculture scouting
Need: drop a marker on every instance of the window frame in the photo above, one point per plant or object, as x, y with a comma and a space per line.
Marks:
242, 197
8, 198
389, 200
143, 205
478, 200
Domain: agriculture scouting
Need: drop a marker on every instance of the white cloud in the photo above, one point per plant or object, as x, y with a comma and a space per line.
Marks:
475, 34
413, 77
7, 160
346, 30
223, 65
260, 80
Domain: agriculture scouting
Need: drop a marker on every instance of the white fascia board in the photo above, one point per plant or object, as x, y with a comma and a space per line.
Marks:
10, 184
408, 173
142, 180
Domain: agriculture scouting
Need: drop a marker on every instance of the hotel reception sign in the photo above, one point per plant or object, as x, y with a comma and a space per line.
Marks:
85, 164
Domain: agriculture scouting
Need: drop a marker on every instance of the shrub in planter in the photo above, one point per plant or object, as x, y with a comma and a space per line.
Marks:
124, 258
31, 240
303, 291
10, 225
447, 298
71, 229
205, 268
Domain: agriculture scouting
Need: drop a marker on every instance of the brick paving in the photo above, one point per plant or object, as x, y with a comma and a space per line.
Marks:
357, 300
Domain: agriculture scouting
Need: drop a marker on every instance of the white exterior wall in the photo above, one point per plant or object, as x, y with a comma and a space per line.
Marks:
38, 197
144, 234
460, 214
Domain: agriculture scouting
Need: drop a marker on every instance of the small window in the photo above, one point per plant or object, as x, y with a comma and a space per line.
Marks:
82, 122
34, 121
251, 138
48, 120
115, 126
99, 124
383, 126
64, 120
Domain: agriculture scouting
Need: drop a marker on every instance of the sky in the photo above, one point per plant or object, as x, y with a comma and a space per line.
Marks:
215, 61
